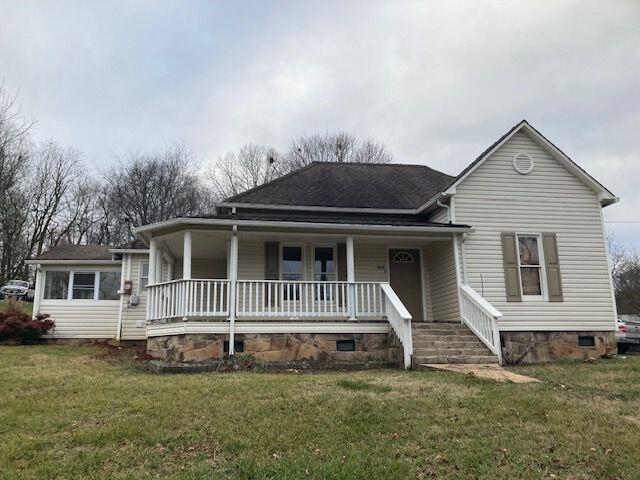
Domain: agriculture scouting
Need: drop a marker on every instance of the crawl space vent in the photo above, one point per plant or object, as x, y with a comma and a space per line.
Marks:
523, 163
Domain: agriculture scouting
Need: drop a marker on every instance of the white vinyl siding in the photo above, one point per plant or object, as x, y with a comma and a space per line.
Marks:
209, 268
495, 199
441, 215
442, 286
133, 315
82, 318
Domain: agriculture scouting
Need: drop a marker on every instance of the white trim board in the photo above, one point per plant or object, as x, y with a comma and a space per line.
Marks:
181, 328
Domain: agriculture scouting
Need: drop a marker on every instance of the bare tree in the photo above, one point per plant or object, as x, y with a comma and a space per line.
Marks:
254, 165
14, 166
147, 188
335, 147
251, 166
625, 272
56, 170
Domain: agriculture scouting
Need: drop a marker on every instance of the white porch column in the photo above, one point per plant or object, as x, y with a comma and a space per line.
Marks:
233, 278
38, 291
159, 262
186, 260
351, 278
153, 255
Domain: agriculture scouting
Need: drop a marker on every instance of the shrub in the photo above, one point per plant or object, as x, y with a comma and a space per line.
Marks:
17, 325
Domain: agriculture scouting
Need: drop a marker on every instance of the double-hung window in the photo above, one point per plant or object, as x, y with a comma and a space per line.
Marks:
323, 270
292, 270
530, 263
144, 275
84, 285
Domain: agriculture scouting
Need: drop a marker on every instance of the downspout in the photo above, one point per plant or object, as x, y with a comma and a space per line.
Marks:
233, 274
121, 309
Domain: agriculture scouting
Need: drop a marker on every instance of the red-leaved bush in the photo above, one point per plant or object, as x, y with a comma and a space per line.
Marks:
17, 325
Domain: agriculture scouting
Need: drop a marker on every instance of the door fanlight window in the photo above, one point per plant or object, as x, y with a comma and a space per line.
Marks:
403, 257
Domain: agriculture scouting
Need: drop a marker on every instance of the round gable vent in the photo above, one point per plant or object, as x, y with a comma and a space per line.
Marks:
523, 163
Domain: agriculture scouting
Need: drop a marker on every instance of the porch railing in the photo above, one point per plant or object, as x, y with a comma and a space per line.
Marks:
400, 320
188, 298
277, 298
481, 317
265, 298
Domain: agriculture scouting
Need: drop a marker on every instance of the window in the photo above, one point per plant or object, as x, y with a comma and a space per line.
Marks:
56, 285
346, 345
586, 341
109, 285
323, 270
292, 270
403, 257
84, 285
530, 264
144, 275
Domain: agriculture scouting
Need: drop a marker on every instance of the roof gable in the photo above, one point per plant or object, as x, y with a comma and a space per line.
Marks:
605, 196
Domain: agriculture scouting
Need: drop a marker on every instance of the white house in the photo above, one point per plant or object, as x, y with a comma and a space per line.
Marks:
347, 262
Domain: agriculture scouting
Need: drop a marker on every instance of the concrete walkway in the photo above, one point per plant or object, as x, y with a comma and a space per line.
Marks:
488, 371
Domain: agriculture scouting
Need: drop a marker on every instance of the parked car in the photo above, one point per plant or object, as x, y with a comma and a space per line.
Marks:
18, 288
627, 332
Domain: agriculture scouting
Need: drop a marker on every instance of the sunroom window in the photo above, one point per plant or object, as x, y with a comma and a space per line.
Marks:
84, 284
530, 263
109, 284
56, 285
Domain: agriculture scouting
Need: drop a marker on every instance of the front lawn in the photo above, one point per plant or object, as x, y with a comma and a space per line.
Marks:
78, 412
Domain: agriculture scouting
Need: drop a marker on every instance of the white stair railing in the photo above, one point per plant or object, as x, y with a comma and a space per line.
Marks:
400, 320
481, 317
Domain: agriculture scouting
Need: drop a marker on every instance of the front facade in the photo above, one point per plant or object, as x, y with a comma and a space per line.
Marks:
352, 263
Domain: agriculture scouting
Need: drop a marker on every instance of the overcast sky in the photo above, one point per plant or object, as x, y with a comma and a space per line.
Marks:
437, 82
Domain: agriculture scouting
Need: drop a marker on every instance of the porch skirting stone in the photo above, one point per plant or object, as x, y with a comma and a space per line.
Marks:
318, 348
534, 347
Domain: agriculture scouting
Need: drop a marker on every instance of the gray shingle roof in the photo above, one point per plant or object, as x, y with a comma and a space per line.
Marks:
351, 185
76, 252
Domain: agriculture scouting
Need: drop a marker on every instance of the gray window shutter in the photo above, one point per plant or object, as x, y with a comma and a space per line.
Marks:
342, 262
271, 261
554, 280
511, 270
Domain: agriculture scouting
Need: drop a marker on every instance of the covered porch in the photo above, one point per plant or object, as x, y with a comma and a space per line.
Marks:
236, 279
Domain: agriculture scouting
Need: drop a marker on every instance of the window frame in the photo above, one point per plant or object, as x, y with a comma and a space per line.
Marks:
302, 261
293, 293
70, 279
142, 289
44, 285
332, 246
541, 265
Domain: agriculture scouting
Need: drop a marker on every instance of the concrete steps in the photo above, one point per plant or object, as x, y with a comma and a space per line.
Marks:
439, 343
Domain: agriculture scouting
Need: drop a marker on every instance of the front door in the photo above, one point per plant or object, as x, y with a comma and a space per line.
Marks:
405, 279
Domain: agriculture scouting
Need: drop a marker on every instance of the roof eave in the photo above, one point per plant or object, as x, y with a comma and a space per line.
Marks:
186, 221
71, 261
317, 208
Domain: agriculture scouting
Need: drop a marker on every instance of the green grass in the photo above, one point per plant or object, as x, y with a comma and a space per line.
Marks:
73, 412
26, 306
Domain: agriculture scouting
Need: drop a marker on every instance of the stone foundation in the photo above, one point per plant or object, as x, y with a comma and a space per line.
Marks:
535, 347
279, 348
